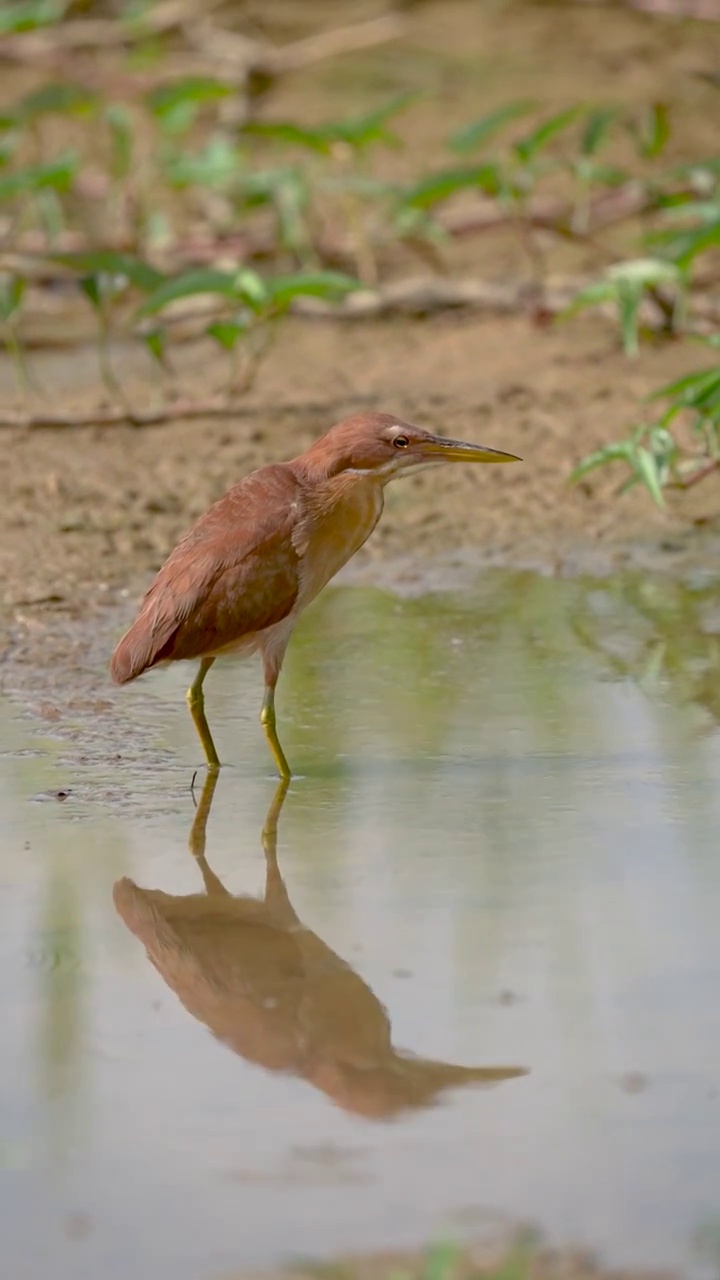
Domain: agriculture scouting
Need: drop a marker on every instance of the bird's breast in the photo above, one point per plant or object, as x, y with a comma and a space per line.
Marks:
338, 520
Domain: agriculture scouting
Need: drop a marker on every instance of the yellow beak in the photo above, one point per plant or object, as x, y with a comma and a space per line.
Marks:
436, 447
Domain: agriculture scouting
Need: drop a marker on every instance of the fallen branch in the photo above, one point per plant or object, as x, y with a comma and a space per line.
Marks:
181, 411
606, 210
331, 44
422, 296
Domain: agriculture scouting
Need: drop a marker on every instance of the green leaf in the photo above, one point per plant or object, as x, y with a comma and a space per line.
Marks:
684, 246
57, 174
176, 106
12, 289
52, 216
92, 289
252, 288
249, 287
705, 402
154, 340
596, 129
647, 468
663, 447
290, 133
291, 202
527, 148
119, 122
689, 386
357, 132
360, 131
189, 283
226, 332
619, 451
439, 186
592, 295
628, 303
52, 99
105, 262
329, 285
475, 135
652, 132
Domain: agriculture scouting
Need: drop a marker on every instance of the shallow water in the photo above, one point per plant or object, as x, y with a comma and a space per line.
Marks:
504, 832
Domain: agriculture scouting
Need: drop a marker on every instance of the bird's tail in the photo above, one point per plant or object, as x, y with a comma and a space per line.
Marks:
148, 641
129, 658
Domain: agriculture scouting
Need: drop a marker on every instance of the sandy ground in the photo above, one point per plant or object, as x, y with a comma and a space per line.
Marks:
91, 512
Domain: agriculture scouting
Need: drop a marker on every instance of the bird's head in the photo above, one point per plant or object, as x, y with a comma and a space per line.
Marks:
383, 446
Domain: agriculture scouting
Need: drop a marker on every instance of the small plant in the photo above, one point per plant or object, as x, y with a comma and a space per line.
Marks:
626, 285
566, 142
248, 309
104, 277
335, 185
653, 454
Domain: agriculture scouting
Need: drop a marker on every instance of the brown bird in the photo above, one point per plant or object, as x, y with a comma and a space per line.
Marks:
269, 988
239, 580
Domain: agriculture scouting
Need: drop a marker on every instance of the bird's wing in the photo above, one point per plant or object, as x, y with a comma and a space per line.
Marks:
235, 572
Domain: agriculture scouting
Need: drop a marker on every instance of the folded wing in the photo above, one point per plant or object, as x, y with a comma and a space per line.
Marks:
235, 573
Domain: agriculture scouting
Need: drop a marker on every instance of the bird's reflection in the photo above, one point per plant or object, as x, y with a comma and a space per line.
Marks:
270, 988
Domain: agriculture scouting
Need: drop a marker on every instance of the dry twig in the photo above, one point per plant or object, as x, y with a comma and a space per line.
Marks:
218, 50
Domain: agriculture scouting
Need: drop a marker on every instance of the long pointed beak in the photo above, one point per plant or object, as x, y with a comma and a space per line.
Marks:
436, 447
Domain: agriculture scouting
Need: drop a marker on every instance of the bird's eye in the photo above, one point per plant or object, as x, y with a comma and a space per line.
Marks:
401, 442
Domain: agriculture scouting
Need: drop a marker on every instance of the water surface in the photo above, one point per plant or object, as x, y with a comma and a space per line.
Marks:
504, 835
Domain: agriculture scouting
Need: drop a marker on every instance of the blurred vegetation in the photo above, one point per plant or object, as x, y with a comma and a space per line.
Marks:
163, 194
448, 1261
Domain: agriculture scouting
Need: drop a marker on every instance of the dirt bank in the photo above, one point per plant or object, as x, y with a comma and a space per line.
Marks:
90, 512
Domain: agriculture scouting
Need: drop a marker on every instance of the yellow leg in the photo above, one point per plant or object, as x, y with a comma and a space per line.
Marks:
276, 895
198, 831
267, 720
269, 831
196, 703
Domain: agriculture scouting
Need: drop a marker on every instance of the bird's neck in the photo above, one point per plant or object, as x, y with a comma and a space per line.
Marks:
339, 514
314, 471
348, 491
